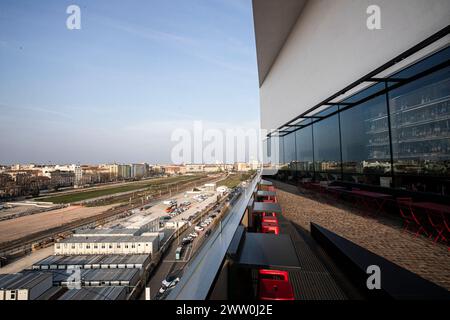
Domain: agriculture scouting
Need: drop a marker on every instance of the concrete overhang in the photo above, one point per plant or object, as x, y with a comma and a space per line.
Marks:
273, 20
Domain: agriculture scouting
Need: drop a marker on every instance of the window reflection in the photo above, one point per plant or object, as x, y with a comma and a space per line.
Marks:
304, 149
326, 146
289, 151
281, 162
420, 121
365, 142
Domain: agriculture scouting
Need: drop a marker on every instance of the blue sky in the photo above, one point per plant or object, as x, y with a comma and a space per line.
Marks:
117, 88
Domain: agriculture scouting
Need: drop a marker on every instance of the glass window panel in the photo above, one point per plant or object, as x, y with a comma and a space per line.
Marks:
424, 65
281, 151
365, 141
289, 151
326, 145
365, 92
266, 146
304, 149
327, 111
420, 122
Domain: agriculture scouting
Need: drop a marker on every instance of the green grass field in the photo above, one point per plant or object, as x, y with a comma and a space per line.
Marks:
90, 194
233, 180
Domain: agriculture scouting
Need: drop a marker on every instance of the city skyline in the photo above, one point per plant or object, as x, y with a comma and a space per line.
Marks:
116, 89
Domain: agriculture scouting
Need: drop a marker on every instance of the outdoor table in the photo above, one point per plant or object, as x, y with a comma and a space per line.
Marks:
336, 191
266, 196
379, 199
263, 193
445, 209
260, 207
266, 250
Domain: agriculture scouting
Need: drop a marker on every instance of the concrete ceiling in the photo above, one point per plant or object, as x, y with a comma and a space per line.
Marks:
274, 20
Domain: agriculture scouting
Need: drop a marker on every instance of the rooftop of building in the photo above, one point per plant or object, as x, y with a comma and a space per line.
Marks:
119, 239
97, 232
22, 280
93, 259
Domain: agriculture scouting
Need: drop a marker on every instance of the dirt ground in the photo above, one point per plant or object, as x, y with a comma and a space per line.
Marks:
23, 226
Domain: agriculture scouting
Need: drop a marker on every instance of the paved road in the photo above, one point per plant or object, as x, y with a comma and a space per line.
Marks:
169, 265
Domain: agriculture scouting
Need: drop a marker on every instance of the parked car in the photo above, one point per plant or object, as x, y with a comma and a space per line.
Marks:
207, 233
199, 228
194, 235
186, 242
171, 278
170, 286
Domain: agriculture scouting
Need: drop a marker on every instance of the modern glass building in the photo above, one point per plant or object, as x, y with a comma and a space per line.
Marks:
390, 127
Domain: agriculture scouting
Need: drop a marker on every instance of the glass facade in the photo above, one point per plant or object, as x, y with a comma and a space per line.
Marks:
366, 156
327, 156
305, 152
420, 126
289, 152
393, 135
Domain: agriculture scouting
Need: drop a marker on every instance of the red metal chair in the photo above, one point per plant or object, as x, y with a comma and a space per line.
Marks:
269, 214
269, 219
447, 227
409, 217
270, 227
270, 200
437, 221
274, 285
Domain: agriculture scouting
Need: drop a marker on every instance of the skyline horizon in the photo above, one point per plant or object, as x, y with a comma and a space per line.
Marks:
124, 163
122, 84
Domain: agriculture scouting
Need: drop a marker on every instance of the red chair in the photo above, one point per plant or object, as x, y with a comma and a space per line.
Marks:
269, 214
274, 285
270, 200
437, 221
447, 227
270, 227
270, 220
409, 217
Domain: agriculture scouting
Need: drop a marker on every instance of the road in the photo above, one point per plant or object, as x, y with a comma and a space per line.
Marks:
169, 265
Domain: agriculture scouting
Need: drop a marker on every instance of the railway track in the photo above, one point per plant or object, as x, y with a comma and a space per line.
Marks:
24, 245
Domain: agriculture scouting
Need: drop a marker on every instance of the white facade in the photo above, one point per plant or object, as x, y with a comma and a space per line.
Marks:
330, 46
107, 245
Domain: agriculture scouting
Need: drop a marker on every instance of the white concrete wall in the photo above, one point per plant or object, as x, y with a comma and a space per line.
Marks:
117, 248
330, 47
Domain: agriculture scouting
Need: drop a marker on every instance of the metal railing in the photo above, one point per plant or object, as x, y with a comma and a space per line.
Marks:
201, 273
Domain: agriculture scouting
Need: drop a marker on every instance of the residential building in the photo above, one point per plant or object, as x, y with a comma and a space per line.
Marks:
124, 171
194, 168
139, 170
174, 169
